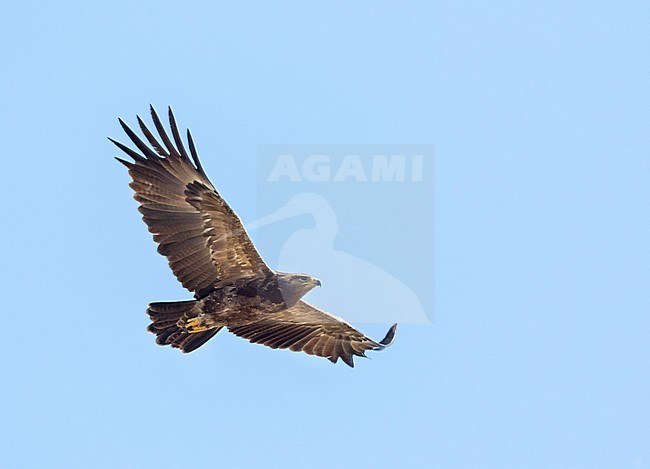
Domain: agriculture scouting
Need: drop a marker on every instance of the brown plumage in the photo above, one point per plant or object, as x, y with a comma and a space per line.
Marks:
212, 256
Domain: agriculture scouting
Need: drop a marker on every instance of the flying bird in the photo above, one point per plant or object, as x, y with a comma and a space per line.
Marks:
212, 256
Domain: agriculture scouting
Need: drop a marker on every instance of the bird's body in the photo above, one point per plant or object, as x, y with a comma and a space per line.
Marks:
211, 255
240, 303
237, 304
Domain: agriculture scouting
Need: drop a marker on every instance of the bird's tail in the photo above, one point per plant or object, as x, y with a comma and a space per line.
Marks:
165, 317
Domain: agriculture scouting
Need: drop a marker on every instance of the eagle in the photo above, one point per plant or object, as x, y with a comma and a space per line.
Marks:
212, 256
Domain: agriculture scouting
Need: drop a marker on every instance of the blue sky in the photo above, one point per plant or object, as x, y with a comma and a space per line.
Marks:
539, 113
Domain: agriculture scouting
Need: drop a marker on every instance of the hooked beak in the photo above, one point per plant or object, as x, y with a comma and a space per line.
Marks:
317, 282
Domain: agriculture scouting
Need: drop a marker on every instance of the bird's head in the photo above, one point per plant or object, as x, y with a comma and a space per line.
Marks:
295, 286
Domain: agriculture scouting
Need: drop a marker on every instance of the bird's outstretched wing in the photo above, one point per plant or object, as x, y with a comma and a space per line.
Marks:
305, 328
203, 239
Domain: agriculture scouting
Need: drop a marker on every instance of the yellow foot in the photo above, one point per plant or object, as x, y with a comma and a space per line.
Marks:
194, 325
